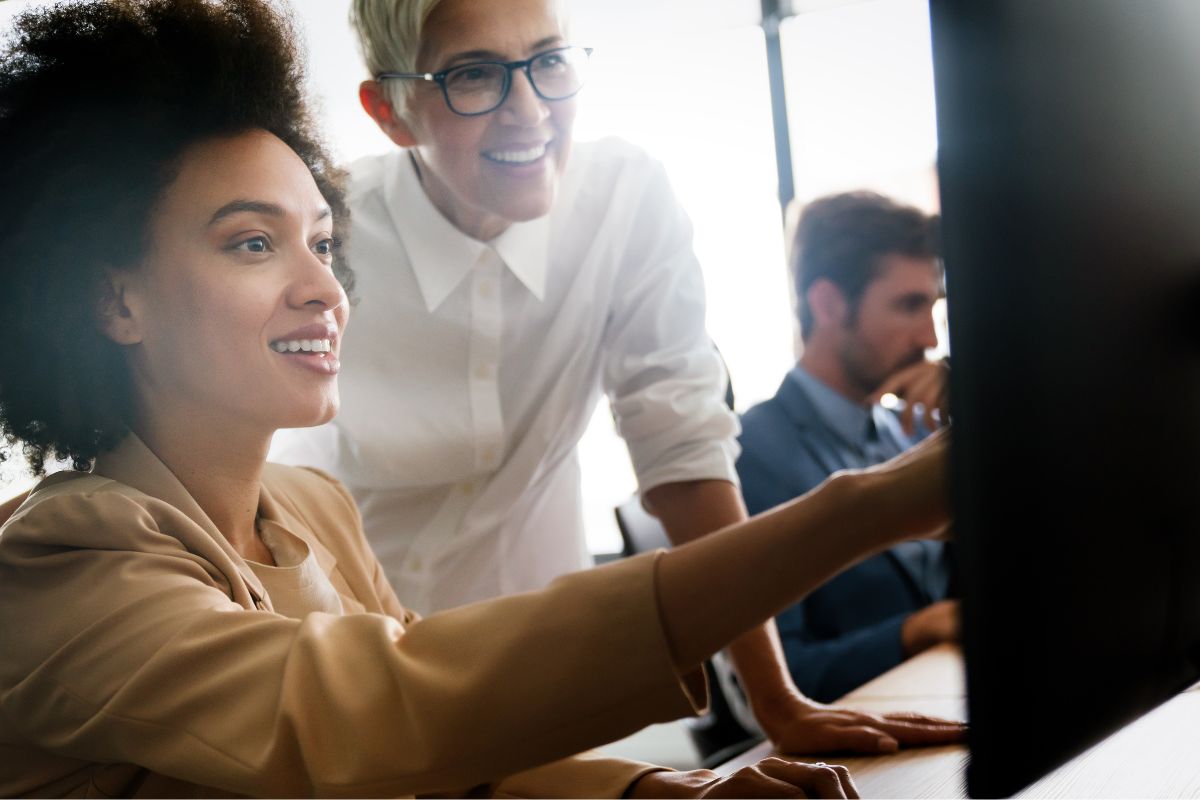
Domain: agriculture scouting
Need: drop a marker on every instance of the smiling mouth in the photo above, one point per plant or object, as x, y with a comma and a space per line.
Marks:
302, 346
524, 156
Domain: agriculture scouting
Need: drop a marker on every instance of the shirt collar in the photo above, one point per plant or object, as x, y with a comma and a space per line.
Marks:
849, 420
525, 250
441, 255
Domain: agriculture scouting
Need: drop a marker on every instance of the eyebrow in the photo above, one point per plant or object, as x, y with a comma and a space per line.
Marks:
259, 207
491, 55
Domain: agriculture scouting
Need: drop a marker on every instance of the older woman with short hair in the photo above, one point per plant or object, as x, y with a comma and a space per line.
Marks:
509, 277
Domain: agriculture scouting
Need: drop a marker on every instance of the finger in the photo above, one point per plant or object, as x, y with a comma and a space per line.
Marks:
921, 417
827, 782
752, 781
923, 390
855, 738
922, 719
847, 782
913, 734
818, 780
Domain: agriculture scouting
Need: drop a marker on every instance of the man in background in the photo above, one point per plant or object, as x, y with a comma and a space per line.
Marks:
866, 276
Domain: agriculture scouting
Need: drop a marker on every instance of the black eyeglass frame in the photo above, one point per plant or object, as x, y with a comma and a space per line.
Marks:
509, 67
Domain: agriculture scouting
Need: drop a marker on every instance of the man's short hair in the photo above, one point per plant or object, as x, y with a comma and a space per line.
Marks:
844, 237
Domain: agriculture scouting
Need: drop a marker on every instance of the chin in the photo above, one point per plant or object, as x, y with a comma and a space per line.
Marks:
317, 415
530, 209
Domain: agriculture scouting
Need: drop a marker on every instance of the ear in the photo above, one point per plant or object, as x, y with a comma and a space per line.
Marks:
379, 108
828, 304
118, 311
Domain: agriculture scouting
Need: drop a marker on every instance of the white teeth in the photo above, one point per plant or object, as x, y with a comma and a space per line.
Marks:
518, 156
305, 345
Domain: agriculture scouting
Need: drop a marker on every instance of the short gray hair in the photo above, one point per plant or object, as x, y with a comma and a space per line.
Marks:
389, 34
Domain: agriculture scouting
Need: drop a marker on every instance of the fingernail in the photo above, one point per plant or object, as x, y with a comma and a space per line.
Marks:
887, 744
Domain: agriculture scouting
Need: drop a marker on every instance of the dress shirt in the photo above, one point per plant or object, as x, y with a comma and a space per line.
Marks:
867, 435
471, 369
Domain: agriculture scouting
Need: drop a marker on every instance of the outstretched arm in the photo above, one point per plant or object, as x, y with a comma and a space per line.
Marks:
830, 530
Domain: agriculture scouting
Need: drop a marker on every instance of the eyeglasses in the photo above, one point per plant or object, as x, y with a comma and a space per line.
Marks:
482, 86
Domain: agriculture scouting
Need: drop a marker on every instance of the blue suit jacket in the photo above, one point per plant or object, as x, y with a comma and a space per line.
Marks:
848, 630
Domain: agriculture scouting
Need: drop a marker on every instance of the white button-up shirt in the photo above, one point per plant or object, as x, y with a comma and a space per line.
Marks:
471, 369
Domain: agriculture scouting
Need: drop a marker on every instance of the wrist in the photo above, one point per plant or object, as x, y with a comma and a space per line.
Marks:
915, 635
670, 784
863, 509
776, 713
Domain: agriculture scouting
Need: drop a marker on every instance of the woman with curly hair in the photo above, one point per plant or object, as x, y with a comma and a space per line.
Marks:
181, 617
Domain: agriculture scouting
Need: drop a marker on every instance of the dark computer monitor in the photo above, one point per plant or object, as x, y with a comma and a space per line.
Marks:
1069, 161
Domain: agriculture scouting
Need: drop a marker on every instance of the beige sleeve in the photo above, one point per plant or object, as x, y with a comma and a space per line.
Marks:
581, 776
144, 660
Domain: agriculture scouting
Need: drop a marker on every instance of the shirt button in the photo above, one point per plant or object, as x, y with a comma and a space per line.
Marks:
489, 456
467, 488
486, 288
483, 372
415, 563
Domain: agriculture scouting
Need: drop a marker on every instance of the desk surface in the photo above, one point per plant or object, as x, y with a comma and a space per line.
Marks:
1153, 757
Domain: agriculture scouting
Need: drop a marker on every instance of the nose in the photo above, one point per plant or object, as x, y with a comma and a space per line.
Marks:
927, 334
314, 286
523, 106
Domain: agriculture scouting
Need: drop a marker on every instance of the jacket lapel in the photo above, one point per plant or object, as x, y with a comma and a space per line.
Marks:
800, 410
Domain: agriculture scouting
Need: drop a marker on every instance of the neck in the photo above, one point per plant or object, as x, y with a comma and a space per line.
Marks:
823, 364
224, 479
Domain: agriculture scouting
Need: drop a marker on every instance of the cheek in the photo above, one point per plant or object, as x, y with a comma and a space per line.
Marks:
451, 144
562, 117
214, 320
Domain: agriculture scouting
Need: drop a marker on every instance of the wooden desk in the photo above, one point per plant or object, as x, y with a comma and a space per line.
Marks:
1153, 757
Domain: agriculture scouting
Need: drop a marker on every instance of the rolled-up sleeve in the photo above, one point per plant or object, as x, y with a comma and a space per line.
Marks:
662, 373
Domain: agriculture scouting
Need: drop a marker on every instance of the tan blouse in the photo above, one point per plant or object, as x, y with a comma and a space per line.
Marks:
143, 657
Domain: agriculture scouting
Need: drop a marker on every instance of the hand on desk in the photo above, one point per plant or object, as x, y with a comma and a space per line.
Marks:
771, 777
799, 725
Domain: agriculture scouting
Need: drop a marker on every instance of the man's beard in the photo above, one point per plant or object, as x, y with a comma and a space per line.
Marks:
866, 375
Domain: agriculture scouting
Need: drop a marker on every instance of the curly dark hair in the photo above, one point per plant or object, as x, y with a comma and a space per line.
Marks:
842, 238
98, 102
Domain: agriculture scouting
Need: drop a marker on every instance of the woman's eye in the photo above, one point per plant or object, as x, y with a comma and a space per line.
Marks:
325, 247
257, 244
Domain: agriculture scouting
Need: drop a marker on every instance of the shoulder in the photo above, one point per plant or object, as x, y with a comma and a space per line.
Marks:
780, 438
765, 421
366, 177
616, 192
601, 166
75, 510
608, 152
